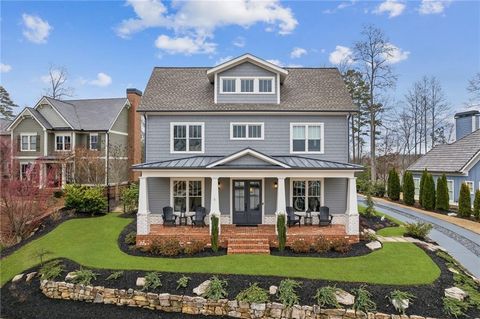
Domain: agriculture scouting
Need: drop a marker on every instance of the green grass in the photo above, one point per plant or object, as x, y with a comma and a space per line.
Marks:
397, 231
92, 242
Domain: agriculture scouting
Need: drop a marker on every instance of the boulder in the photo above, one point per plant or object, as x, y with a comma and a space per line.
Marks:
400, 304
455, 293
272, 290
453, 270
17, 277
344, 298
30, 276
140, 281
374, 245
202, 288
452, 214
70, 276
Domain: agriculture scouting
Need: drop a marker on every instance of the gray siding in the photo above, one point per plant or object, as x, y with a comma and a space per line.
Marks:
158, 194
118, 144
52, 116
336, 195
275, 142
28, 125
121, 124
270, 204
245, 70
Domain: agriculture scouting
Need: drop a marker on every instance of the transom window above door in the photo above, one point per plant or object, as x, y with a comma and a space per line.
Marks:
245, 85
306, 138
187, 138
246, 131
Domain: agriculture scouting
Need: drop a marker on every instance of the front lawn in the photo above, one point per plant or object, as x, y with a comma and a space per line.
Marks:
92, 242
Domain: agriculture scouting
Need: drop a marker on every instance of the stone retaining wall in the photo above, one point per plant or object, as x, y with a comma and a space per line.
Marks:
197, 305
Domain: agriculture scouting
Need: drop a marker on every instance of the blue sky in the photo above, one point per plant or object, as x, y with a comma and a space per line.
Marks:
108, 46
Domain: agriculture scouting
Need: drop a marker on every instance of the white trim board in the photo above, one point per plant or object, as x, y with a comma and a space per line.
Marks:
246, 58
244, 153
188, 124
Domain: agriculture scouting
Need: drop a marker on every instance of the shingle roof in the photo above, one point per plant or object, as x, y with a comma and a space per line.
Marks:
4, 123
188, 89
449, 158
39, 117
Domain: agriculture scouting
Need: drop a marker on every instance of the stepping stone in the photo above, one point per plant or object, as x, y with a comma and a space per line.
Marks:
17, 277
140, 281
455, 293
202, 288
272, 290
344, 297
30, 276
374, 245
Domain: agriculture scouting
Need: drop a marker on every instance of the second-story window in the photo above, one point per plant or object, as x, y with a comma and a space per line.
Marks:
63, 143
306, 138
246, 85
228, 85
94, 141
265, 85
246, 131
28, 142
187, 138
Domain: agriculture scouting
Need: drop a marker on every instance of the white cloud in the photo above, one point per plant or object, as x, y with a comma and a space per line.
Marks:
396, 54
102, 80
198, 20
239, 42
297, 52
340, 6
394, 8
275, 61
185, 45
295, 65
4, 68
35, 29
341, 55
433, 6
223, 60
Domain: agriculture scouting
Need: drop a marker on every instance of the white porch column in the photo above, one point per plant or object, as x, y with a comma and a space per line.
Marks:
64, 175
281, 201
143, 214
214, 203
352, 220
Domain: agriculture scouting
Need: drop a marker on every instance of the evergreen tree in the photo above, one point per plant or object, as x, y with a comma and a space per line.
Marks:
408, 189
464, 201
6, 104
442, 194
476, 205
422, 186
428, 201
393, 185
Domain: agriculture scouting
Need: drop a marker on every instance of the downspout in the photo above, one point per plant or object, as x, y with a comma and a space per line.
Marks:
145, 137
107, 170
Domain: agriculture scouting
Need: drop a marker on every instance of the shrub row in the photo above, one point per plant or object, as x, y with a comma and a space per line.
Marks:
85, 199
170, 247
321, 245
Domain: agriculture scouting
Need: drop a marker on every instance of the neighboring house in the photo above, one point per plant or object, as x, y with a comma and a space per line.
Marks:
89, 141
246, 139
459, 161
5, 147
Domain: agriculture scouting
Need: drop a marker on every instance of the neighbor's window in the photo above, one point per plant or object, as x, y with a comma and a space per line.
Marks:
28, 142
450, 190
246, 85
63, 143
416, 183
187, 138
265, 85
25, 170
307, 138
470, 185
306, 195
247, 131
228, 85
94, 141
187, 193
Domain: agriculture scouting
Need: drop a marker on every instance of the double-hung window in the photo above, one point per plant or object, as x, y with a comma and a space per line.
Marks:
187, 138
187, 195
63, 143
229, 85
450, 187
470, 186
28, 142
416, 183
246, 131
93, 141
25, 171
306, 138
265, 86
306, 195
246, 85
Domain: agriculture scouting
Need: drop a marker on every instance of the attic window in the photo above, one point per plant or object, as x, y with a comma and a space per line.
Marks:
228, 85
265, 85
246, 85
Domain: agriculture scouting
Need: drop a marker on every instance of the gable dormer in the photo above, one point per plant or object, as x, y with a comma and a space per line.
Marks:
247, 79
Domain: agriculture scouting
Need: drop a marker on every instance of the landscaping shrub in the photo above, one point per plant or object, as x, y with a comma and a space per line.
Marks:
396, 298
166, 247
363, 180
58, 194
282, 232
182, 282
325, 297
51, 270
287, 293
341, 245
74, 196
217, 289
214, 236
476, 205
422, 186
363, 300
393, 185
115, 275
370, 209
152, 281
464, 201
194, 247
300, 246
418, 230
408, 189
253, 294
428, 200
131, 238
378, 189
454, 307
85, 199
129, 198
442, 194
321, 245
84, 276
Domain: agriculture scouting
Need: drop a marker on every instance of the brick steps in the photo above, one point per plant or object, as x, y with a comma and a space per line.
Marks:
248, 245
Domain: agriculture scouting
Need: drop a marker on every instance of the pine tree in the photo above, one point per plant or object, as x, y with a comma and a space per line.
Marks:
442, 194
393, 185
6, 104
428, 201
408, 189
476, 205
422, 186
464, 201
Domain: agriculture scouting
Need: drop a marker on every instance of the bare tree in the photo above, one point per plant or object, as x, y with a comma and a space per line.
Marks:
57, 79
373, 53
474, 90
438, 111
117, 167
89, 167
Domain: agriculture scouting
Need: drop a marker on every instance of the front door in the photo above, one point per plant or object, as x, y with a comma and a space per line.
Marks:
247, 202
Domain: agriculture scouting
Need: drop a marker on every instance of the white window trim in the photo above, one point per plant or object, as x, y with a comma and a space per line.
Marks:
21, 176
322, 138
63, 143
452, 198
322, 190
247, 124
90, 140
29, 144
472, 189
414, 188
172, 125
256, 85
172, 180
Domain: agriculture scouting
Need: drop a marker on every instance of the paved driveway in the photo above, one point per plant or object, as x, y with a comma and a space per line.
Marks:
461, 243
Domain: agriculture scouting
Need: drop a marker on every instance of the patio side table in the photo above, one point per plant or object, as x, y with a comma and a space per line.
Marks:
183, 219
308, 219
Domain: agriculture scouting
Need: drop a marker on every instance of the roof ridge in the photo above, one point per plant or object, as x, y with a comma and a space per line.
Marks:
101, 98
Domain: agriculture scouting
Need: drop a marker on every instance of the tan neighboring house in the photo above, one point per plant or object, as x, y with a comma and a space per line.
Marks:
87, 141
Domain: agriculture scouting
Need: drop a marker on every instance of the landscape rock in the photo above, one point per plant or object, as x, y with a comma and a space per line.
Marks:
202, 288
140, 281
374, 245
453, 270
344, 298
452, 214
400, 304
17, 277
455, 293
272, 290
30, 276
70, 276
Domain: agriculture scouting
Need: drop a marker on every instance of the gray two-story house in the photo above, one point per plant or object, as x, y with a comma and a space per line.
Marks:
245, 140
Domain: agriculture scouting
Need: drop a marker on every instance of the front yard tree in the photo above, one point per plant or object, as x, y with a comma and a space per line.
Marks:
464, 201
442, 194
422, 187
393, 185
476, 205
408, 189
429, 193
6, 104
373, 54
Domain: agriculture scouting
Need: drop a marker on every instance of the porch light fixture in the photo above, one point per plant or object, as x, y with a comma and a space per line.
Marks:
275, 185
219, 185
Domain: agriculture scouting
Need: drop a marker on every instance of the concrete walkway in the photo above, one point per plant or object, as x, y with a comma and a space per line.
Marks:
462, 244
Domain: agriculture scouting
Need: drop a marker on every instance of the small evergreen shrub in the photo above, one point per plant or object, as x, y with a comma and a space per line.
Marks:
74, 196
51, 270
182, 282
325, 297
115, 275
341, 245
217, 289
85, 199
422, 186
379, 189
321, 245
408, 189
129, 198
393, 185
363, 300
300, 246
282, 232
476, 205
464, 201
287, 292
84, 276
370, 209
418, 230
131, 238
194, 247
253, 294
428, 201
214, 236
152, 281
397, 296
442, 194
454, 307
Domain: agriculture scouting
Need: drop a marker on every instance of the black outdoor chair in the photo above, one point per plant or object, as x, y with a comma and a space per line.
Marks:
292, 219
324, 217
199, 218
169, 218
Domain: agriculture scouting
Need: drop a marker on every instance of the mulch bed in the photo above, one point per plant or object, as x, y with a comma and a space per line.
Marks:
24, 300
375, 222
46, 226
358, 249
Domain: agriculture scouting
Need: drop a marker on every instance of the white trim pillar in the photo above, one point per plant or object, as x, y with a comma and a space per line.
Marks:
64, 175
143, 214
214, 203
281, 200
352, 219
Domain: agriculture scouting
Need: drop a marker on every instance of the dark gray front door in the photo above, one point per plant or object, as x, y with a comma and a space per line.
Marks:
247, 202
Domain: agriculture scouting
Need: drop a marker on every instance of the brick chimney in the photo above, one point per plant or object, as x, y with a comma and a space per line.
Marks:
134, 96
466, 123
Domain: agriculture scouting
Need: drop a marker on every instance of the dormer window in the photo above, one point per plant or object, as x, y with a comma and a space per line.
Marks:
228, 85
244, 85
265, 85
